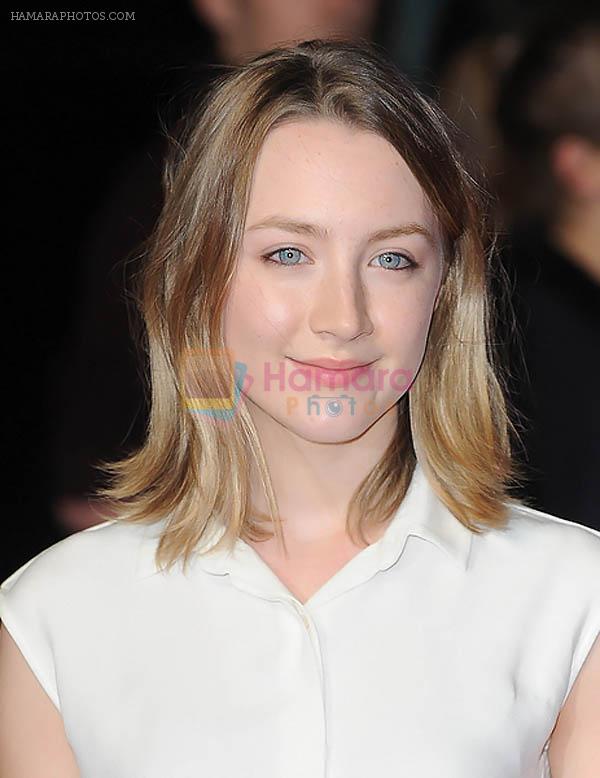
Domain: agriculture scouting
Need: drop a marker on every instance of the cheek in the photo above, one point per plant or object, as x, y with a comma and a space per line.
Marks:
406, 324
257, 314
276, 317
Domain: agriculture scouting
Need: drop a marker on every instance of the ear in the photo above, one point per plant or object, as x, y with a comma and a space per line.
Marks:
576, 165
216, 14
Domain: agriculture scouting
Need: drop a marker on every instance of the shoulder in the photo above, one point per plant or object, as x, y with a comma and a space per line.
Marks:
536, 530
549, 548
544, 571
100, 556
54, 598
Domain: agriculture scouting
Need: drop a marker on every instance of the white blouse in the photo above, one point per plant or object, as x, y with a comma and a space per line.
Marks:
433, 652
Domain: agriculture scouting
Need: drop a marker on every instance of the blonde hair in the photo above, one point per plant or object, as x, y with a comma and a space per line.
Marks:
193, 470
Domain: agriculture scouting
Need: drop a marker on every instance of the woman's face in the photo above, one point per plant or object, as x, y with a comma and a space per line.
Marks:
341, 260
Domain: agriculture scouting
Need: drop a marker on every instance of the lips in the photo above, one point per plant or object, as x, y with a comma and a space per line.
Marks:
333, 373
327, 363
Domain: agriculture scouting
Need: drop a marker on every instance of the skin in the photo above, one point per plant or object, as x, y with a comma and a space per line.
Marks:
339, 301
574, 750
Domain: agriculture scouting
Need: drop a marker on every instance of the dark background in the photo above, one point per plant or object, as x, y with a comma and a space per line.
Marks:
79, 99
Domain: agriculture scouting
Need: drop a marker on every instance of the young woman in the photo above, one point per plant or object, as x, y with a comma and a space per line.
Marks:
315, 568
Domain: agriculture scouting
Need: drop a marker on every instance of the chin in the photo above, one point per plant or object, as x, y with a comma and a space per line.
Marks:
327, 431
324, 418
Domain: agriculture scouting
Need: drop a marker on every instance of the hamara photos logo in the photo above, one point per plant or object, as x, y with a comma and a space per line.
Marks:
198, 369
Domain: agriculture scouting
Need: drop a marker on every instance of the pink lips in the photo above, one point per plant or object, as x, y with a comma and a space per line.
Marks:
332, 364
334, 372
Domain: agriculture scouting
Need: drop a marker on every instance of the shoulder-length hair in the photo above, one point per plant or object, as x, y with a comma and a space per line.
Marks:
193, 469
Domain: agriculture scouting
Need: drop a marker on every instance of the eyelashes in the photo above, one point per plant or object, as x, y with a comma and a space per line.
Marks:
268, 258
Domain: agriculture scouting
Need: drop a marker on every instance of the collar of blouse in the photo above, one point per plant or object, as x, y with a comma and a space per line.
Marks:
422, 515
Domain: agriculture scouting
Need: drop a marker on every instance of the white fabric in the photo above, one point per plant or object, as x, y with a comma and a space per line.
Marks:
433, 652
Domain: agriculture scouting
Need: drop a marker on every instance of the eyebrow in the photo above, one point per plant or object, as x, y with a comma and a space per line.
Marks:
317, 231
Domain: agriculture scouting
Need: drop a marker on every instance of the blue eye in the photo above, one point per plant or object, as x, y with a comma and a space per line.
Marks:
285, 255
288, 256
392, 260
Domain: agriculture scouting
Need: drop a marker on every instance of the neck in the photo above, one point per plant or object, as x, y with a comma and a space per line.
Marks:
577, 233
313, 482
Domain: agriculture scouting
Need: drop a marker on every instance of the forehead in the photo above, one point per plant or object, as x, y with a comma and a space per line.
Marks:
346, 175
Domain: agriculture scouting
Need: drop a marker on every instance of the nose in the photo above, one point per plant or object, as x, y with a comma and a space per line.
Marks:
340, 302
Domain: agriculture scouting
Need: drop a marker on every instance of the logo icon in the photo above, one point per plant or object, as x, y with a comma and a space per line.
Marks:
196, 367
332, 405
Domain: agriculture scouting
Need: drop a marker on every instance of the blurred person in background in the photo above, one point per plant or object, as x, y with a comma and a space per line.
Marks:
549, 116
244, 28
100, 390
475, 45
